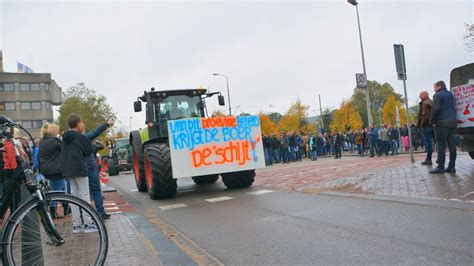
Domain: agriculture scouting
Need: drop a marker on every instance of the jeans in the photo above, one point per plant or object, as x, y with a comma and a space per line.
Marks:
445, 137
360, 149
427, 136
313, 155
268, 156
394, 146
95, 190
374, 147
293, 153
79, 188
58, 184
276, 155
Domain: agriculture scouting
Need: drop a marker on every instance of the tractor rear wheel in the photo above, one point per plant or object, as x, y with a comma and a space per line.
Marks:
113, 170
205, 179
139, 169
158, 172
238, 179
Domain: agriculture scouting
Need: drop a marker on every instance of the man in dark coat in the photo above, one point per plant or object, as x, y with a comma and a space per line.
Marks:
443, 119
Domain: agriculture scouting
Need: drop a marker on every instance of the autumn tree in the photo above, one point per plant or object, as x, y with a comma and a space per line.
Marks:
93, 107
378, 93
267, 125
346, 117
389, 114
295, 118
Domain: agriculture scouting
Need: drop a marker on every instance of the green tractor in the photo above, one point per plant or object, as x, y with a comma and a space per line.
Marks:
150, 146
119, 158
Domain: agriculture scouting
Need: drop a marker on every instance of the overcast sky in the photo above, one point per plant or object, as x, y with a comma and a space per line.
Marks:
273, 52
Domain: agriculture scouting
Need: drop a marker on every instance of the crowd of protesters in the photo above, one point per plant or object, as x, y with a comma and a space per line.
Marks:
435, 126
69, 163
373, 141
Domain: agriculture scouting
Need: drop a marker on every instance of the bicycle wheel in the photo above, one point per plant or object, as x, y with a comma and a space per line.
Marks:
27, 240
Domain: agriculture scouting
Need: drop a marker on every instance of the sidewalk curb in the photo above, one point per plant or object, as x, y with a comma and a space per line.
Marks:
432, 202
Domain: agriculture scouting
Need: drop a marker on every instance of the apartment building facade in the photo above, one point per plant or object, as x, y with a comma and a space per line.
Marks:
29, 98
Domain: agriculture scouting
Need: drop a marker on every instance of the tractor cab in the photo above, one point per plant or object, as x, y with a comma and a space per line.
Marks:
162, 106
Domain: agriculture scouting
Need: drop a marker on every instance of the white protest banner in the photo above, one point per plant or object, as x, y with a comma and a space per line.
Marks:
464, 99
202, 146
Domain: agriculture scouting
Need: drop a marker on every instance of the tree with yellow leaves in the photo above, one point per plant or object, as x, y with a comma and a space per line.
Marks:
346, 117
389, 113
267, 125
295, 118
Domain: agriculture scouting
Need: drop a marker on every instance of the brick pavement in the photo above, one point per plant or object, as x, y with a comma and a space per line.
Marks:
127, 246
393, 176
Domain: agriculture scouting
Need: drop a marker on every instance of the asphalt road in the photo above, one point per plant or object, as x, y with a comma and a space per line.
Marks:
295, 228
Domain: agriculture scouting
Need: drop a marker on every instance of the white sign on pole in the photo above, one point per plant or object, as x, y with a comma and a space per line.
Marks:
203, 146
464, 101
398, 117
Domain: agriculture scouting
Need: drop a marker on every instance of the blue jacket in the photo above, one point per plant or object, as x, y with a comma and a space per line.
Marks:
443, 112
373, 134
91, 159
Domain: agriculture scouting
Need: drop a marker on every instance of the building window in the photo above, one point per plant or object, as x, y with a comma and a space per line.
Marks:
1, 86
46, 86
30, 105
47, 105
7, 106
35, 105
34, 87
25, 105
24, 86
27, 124
37, 123
8, 87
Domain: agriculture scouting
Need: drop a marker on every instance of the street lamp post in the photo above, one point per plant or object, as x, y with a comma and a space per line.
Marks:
131, 123
367, 96
228, 92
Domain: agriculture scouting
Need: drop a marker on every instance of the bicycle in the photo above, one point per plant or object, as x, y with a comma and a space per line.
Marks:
32, 235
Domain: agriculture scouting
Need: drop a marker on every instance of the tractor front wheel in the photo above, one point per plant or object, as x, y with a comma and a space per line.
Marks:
205, 179
238, 179
158, 172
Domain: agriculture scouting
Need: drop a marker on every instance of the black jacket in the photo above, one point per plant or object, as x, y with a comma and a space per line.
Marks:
50, 157
76, 147
443, 113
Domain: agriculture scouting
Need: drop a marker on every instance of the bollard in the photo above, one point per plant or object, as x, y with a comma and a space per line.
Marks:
28, 252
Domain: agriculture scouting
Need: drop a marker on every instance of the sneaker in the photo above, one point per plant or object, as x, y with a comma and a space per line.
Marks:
77, 229
90, 228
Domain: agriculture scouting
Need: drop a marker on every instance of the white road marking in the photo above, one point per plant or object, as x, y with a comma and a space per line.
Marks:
110, 203
112, 208
173, 206
219, 199
115, 212
134, 190
260, 192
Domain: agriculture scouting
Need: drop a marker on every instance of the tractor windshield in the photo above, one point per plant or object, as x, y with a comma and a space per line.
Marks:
119, 143
178, 107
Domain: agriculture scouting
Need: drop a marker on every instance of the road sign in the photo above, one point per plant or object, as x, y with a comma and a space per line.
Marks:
361, 80
400, 61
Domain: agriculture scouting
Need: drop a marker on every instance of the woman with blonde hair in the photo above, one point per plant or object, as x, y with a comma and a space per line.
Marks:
50, 161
